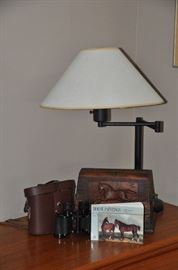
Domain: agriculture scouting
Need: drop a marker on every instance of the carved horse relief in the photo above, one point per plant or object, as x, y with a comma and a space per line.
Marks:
109, 194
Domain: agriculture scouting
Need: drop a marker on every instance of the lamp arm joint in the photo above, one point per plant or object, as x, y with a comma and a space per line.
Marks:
157, 125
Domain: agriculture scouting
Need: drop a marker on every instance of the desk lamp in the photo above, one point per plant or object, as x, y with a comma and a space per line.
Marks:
102, 79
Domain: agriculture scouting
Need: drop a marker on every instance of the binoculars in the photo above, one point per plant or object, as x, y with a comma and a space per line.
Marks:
72, 221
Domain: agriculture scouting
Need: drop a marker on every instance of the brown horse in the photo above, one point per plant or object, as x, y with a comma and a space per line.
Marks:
107, 228
127, 228
109, 194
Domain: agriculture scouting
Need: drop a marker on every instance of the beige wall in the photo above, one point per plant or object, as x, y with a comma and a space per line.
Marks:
38, 40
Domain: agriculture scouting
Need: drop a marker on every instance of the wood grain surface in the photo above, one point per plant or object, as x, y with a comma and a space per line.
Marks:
19, 250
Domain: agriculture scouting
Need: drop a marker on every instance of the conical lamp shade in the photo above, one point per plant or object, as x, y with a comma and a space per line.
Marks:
102, 78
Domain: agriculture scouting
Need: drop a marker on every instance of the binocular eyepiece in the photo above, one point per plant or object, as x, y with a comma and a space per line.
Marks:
72, 221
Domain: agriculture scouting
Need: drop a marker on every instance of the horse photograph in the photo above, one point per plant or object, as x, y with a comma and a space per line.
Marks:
115, 230
118, 222
130, 229
107, 229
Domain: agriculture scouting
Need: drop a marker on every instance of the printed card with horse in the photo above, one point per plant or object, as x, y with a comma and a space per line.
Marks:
121, 222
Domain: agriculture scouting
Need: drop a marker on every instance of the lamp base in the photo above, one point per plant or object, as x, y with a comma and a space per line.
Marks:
120, 185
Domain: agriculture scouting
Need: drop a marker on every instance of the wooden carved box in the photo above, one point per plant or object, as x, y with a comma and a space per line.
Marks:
119, 185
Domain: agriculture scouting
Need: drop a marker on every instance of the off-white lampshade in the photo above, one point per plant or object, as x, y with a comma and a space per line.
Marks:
102, 78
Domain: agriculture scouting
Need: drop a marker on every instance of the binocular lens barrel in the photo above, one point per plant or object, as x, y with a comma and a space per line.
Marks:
63, 226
